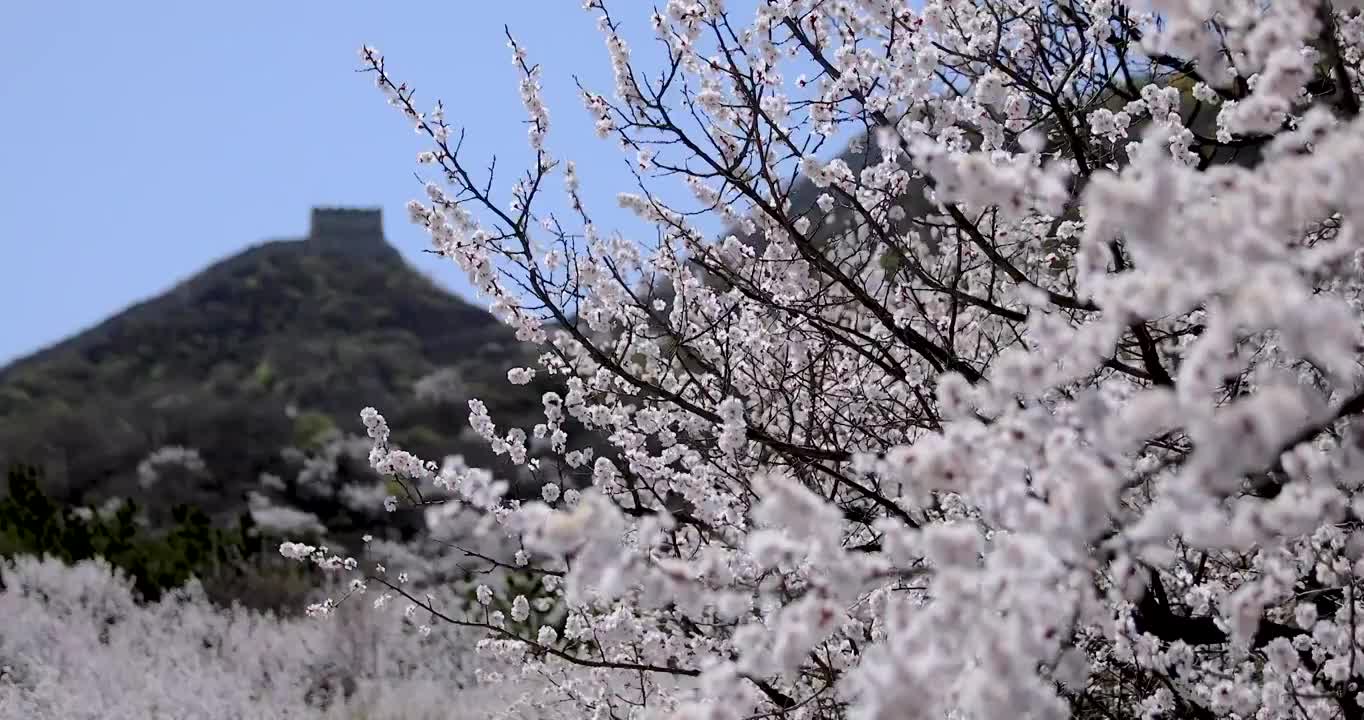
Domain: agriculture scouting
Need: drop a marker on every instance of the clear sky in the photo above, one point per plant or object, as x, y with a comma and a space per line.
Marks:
142, 140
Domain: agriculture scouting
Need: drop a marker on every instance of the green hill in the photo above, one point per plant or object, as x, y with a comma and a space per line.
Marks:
268, 349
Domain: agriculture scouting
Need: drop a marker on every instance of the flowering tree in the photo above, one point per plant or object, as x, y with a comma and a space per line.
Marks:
172, 456
1044, 406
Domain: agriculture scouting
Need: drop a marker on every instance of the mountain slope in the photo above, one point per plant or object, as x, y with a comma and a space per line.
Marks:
256, 353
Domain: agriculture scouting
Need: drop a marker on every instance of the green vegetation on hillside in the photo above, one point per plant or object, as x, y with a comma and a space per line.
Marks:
31, 523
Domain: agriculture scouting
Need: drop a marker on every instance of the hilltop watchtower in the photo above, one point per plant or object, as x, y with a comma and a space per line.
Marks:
349, 231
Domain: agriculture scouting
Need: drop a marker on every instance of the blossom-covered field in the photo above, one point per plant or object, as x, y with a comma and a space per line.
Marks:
74, 644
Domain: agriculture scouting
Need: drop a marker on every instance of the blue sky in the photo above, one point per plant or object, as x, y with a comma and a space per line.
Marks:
141, 141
